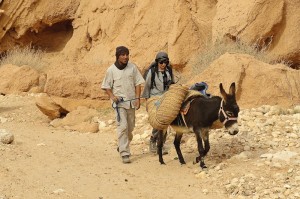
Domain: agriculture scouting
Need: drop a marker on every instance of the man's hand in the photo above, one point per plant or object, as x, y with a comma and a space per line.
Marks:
112, 96
116, 99
137, 104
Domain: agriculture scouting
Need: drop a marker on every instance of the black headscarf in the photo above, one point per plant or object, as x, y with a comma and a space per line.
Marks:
119, 51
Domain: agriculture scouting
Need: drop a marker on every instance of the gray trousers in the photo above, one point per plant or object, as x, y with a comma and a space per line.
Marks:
124, 129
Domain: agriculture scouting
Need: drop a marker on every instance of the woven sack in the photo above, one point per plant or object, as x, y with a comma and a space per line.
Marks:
164, 109
151, 107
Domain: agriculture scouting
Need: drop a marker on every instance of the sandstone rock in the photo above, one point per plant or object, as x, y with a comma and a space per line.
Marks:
84, 127
47, 106
249, 73
17, 79
80, 120
72, 104
55, 107
246, 20
77, 81
260, 23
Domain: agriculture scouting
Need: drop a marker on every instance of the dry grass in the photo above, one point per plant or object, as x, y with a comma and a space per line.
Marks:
24, 56
213, 52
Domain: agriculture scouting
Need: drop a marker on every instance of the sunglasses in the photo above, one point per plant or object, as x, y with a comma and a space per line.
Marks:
164, 62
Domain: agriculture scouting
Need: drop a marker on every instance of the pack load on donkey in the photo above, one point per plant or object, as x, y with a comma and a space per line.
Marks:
164, 109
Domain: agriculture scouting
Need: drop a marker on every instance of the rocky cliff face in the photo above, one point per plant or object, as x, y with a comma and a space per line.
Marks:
94, 28
79, 37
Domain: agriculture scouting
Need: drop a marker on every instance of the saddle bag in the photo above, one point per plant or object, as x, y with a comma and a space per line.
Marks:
162, 110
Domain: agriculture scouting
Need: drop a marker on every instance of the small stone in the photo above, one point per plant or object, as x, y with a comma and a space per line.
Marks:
6, 137
57, 191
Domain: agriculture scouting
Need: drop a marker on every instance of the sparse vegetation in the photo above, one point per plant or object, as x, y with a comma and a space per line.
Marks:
213, 52
23, 56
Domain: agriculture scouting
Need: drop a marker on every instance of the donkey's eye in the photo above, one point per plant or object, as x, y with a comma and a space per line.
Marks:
229, 113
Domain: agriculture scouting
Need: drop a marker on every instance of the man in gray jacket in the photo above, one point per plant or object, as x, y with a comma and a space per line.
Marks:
122, 84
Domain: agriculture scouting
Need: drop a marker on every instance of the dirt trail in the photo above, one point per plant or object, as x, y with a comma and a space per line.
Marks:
44, 162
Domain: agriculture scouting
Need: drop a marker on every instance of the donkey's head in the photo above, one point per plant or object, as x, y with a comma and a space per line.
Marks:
229, 110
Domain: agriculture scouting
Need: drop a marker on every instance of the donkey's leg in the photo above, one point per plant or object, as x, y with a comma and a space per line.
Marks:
200, 149
160, 143
177, 140
205, 136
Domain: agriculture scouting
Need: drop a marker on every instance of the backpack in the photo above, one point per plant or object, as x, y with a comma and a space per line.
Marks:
202, 88
154, 68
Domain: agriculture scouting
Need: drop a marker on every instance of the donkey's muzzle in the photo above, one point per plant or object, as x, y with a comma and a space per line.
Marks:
233, 132
234, 129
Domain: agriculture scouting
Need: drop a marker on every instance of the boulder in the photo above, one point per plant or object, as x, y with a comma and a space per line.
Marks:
257, 83
73, 80
82, 119
47, 106
57, 107
15, 79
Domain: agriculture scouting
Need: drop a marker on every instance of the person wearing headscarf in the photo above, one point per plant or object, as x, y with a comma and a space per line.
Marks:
122, 83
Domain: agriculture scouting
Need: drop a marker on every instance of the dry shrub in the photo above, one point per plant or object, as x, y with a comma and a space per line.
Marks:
259, 50
24, 56
213, 52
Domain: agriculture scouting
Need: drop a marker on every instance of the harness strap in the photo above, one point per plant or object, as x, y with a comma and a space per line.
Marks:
227, 118
184, 111
182, 115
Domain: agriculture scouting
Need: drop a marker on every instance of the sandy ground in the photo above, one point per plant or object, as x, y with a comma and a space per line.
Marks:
44, 162
260, 162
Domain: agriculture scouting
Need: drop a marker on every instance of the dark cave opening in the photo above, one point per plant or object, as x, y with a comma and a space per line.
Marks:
295, 66
49, 38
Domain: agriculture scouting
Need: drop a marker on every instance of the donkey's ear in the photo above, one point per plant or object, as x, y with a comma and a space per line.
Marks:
222, 91
232, 89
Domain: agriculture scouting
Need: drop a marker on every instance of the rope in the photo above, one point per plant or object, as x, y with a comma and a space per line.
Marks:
115, 104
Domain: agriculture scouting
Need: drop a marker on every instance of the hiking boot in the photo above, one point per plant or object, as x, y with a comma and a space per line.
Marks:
152, 146
126, 159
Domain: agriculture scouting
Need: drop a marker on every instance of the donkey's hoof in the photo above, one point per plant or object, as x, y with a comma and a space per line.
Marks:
163, 163
205, 169
203, 166
182, 162
196, 160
